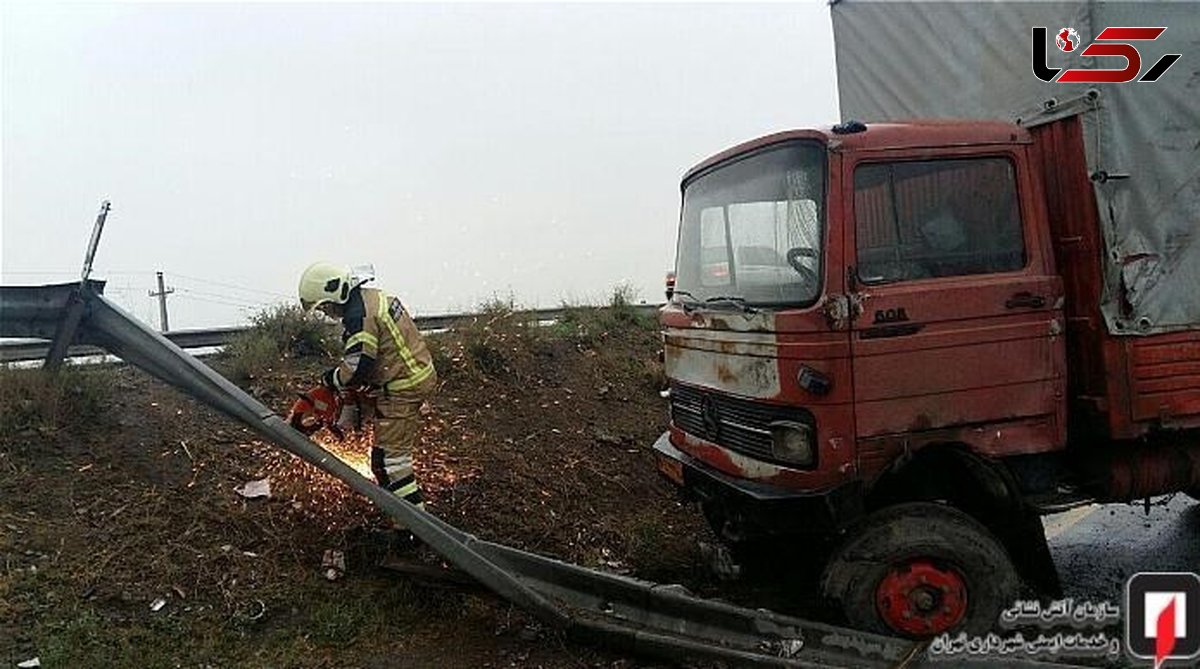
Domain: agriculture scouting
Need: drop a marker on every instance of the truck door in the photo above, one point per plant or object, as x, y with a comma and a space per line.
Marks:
959, 336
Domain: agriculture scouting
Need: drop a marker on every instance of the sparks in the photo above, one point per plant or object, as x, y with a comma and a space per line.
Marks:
322, 497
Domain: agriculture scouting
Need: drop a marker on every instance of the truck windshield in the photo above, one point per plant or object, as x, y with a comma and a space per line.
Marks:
751, 230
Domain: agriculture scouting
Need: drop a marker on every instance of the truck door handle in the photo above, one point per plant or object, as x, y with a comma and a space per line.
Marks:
1025, 300
885, 331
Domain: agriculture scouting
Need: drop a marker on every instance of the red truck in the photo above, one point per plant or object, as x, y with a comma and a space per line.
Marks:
913, 339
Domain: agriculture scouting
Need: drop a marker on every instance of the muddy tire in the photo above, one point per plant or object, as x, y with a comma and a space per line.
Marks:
921, 569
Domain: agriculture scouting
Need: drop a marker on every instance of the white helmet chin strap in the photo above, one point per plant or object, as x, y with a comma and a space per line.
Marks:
360, 274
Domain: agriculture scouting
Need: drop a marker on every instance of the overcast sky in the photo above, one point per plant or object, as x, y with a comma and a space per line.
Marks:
467, 151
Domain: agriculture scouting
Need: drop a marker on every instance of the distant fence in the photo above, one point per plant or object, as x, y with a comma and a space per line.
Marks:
19, 351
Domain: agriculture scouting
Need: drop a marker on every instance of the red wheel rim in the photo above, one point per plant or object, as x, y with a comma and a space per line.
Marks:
919, 598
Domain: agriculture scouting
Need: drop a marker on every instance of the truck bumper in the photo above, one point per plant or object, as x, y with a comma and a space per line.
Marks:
757, 509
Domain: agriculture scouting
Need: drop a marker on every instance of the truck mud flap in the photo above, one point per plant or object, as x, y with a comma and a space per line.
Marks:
613, 611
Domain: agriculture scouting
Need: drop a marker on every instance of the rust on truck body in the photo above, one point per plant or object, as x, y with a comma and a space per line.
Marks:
920, 134
972, 363
722, 353
760, 355
1012, 361
1165, 379
1130, 384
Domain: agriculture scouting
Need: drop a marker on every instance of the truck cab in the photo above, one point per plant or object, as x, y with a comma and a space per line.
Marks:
890, 337
850, 300
845, 296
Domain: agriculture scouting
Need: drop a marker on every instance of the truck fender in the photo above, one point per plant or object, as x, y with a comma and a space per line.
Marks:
982, 488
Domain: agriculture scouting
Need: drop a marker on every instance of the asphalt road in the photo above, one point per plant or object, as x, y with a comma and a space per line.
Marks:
1098, 547
1095, 548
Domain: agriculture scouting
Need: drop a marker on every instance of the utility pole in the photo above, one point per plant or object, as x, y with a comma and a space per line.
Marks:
162, 302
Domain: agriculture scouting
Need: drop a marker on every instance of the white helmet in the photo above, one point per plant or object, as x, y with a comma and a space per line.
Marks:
324, 282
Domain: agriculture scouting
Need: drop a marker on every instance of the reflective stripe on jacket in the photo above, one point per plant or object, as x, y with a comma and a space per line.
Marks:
382, 346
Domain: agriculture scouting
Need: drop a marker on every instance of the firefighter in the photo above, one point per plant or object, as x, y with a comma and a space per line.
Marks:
385, 360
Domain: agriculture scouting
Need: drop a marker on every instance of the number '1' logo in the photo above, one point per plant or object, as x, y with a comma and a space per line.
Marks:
1110, 42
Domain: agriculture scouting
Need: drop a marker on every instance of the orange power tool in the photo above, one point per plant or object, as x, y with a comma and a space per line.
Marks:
318, 408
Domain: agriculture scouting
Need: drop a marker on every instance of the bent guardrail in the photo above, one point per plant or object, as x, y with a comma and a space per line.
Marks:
616, 611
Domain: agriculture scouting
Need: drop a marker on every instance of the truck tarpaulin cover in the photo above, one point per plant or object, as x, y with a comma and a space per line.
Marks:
904, 60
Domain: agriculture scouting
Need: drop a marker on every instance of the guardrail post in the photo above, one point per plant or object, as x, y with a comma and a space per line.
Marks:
65, 333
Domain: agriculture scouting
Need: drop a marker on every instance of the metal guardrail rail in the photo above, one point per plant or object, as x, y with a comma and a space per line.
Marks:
22, 351
614, 611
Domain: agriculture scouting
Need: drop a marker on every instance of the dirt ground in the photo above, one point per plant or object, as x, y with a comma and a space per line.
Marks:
124, 542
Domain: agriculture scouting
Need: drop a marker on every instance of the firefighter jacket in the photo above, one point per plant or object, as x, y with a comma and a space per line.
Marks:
382, 347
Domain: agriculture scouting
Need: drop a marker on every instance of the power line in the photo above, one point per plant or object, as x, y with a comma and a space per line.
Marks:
232, 286
243, 302
244, 307
148, 273
223, 296
10, 271
60, 273
247, 307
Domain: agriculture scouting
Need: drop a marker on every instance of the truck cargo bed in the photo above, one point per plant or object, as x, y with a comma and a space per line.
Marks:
1130, 383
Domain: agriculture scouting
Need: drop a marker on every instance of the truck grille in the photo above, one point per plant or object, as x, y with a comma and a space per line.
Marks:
737, 424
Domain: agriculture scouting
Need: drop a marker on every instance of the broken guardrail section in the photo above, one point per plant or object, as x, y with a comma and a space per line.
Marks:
614, 611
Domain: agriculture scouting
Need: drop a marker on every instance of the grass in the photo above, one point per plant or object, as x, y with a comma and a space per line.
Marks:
94, 636
284, 331
89, 640
487, 358
590, 326
117, 508
315, 623
494, 342
35, 400
498, 305
490, 339
487, 341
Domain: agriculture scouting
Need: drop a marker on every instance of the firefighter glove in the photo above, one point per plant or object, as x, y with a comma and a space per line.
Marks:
329, 378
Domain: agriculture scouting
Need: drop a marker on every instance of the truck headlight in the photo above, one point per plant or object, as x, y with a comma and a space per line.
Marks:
793, 442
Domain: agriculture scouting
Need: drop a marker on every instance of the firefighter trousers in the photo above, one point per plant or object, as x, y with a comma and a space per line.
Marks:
397, 426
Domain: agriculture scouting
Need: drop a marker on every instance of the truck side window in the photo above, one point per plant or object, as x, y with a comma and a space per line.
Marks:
927, 219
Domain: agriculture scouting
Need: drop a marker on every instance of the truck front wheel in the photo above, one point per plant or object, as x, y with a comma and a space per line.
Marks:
921, 569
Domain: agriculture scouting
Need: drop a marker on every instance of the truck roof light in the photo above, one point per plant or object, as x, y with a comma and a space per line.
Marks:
849, 127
